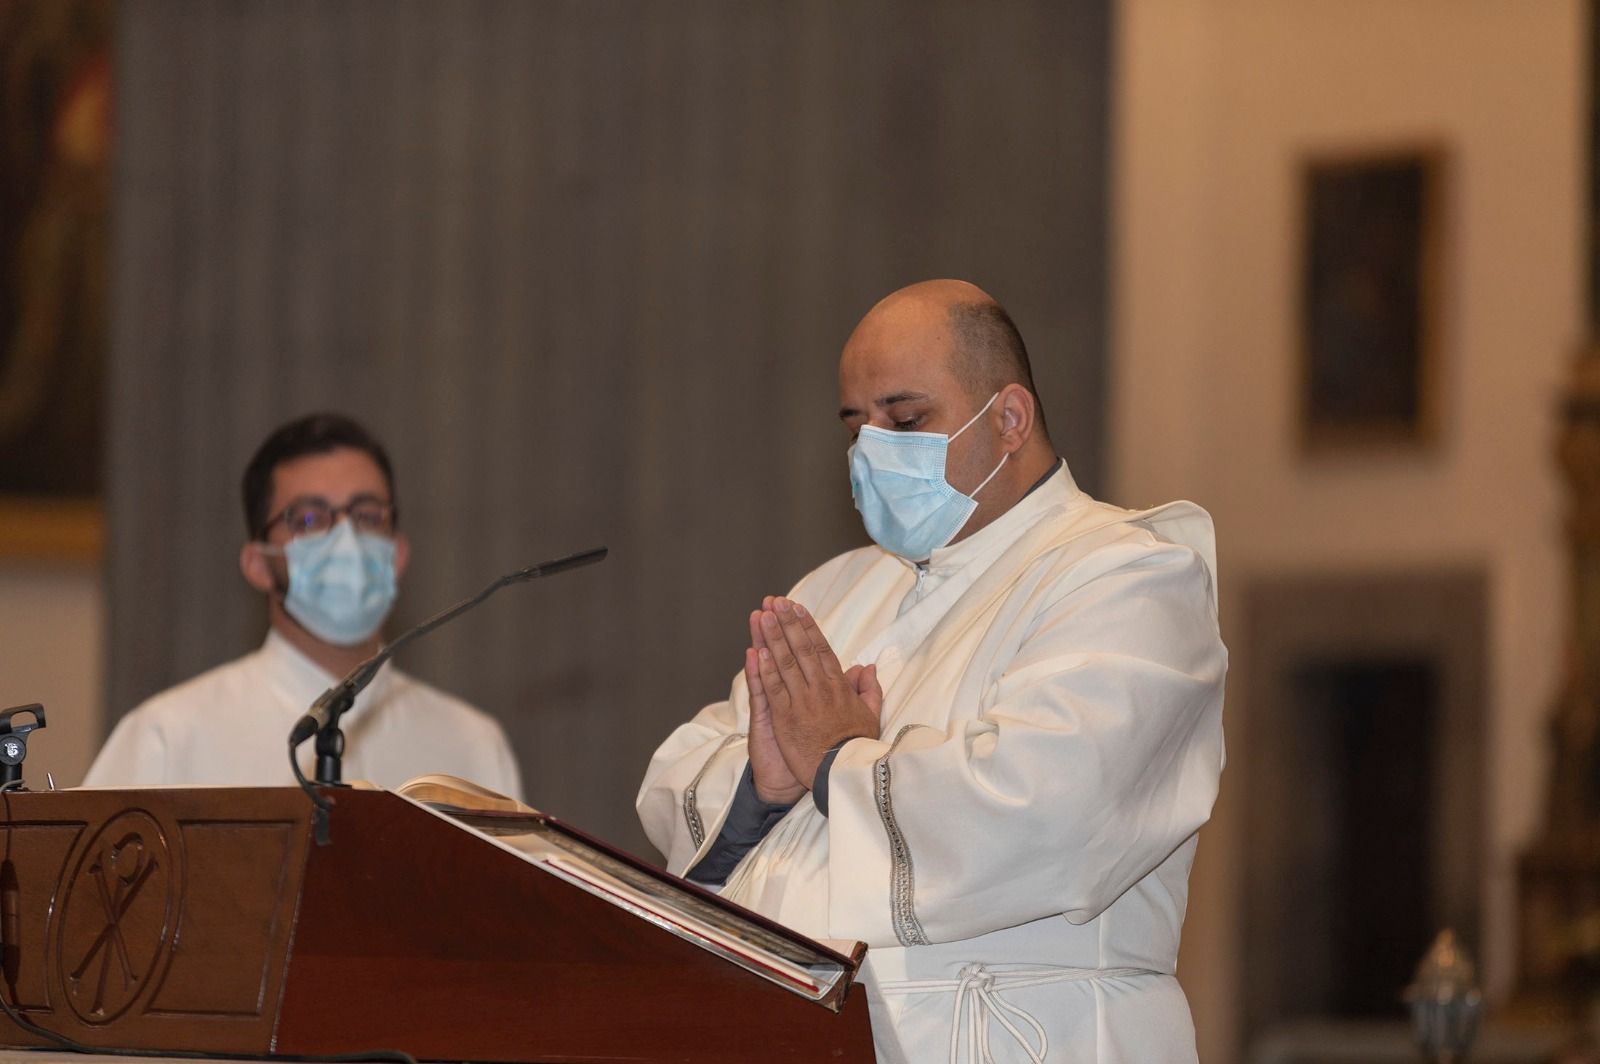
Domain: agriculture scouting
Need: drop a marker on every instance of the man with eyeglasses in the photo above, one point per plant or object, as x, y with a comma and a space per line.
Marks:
326, 551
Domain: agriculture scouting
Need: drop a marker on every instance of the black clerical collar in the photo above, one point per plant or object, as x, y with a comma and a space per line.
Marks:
1048, 473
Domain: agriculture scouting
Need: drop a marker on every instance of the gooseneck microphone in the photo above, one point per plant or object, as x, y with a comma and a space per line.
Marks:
322, 719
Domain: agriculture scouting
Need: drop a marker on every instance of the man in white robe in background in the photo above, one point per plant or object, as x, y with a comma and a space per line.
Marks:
325, 551
984, 746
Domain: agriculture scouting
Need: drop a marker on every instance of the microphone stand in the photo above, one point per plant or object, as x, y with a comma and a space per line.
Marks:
322, 719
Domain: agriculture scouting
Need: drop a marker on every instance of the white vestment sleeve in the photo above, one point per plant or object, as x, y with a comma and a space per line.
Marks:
1091, 752
691, 780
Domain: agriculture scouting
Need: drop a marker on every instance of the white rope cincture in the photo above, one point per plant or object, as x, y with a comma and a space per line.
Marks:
978, 1003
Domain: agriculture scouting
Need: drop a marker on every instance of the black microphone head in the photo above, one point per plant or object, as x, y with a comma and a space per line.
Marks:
571, 561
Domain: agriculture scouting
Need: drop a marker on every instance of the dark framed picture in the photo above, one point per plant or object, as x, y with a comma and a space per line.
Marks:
55, 176
1369, 314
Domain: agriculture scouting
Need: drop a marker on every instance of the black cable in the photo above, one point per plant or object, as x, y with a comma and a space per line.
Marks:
185, 1054
319, 815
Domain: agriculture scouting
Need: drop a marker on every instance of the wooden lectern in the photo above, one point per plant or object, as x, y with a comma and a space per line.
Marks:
207, 919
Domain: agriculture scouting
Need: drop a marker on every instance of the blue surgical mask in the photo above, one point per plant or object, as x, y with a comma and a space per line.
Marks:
897, 479
341, 583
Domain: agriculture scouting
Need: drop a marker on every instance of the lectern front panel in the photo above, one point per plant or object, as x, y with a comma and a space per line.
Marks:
151, 918
209, 920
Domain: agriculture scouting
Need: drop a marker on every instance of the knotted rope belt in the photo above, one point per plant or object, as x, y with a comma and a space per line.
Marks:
978, 1002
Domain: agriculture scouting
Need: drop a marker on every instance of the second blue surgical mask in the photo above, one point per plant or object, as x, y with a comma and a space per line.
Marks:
341, 583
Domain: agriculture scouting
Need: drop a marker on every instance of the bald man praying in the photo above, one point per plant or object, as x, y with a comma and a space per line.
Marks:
985, 744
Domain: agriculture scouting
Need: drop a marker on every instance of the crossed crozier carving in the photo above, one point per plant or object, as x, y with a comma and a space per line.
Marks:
120, 871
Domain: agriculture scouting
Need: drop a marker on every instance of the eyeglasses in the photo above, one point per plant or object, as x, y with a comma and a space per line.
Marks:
310, 514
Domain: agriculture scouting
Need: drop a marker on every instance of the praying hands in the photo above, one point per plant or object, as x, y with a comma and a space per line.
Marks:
801, 702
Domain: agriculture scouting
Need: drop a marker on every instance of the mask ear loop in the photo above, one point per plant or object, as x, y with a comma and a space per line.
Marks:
974, 493
973, 418
990, 477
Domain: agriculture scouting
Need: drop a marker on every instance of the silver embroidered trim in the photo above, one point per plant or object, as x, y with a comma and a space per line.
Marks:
902, 882
691, 811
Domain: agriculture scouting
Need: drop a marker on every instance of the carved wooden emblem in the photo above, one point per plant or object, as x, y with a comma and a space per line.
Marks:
116, 918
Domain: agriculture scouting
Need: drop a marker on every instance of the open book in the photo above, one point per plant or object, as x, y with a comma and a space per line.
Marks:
452, 794
819, 971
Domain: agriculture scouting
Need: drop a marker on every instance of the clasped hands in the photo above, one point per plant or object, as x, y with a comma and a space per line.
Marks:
801, 702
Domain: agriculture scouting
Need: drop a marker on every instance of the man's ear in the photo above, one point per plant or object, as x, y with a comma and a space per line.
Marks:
255, 568
1017, 412
402, 554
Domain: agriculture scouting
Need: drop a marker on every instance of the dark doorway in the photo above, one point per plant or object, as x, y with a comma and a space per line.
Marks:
1362, 728
1371, 725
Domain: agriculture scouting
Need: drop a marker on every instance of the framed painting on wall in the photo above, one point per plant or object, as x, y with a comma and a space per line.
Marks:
1369, 288
55, 176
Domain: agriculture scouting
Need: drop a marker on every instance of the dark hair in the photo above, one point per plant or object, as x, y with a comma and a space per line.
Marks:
988, 352
312, 434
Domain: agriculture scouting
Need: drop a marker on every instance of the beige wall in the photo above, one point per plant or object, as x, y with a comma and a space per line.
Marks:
52, 620
1216, 101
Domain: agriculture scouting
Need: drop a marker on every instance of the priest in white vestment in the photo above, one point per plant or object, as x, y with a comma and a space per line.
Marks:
983, 746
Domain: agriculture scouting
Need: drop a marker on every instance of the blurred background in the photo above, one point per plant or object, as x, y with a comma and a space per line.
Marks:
586, 267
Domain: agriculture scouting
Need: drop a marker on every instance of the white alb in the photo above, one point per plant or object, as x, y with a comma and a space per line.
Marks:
230, 727
1015, 845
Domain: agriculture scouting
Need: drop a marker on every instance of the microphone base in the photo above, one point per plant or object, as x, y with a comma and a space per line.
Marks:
330, 755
